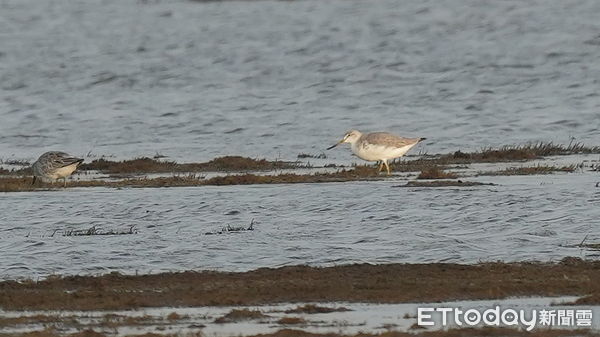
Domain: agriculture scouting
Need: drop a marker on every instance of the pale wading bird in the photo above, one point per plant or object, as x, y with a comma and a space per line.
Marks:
378, 146
55, 165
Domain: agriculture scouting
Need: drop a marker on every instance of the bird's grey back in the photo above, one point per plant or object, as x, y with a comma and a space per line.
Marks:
53, 160
388, 139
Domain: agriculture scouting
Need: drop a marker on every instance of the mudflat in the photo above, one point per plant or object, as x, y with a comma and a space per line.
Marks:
384, 283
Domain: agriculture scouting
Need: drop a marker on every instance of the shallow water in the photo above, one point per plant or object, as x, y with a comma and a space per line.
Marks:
277, 78
523, 218
362, 317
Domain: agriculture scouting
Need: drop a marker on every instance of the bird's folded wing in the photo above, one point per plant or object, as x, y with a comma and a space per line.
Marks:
388, 139
62, 160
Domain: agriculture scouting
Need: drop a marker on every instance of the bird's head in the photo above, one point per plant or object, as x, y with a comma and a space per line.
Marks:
350, 137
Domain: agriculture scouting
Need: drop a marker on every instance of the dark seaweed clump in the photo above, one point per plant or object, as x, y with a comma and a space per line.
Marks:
16, 184
435, 172
518, 152
385, 283
531, 170
150, 165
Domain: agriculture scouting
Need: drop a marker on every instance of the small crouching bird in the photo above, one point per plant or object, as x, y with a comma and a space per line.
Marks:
378, 146
55, 165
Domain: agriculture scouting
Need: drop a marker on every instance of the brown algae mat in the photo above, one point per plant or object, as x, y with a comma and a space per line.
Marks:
220, 164
430, 167
21, 184
530, 170
145, 165
435, 172
387, 283
516, 153
506, 153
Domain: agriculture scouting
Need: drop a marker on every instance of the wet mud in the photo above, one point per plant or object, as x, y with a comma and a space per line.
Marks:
220, 164
246, 171
387, 283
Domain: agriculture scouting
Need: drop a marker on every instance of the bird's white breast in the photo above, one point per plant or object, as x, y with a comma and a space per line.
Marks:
63, 171
374, 152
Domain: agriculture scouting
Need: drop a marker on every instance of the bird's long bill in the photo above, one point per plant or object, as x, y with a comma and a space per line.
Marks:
336, 144
33, 182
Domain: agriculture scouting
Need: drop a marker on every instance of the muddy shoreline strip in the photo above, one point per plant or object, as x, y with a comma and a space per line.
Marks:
508, 153
387, 283
23, 184
129, 173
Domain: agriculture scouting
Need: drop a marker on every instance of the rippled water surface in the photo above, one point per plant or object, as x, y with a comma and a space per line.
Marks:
524, 218
273, 79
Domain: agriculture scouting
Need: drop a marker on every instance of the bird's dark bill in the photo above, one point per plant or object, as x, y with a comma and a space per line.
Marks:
332, 146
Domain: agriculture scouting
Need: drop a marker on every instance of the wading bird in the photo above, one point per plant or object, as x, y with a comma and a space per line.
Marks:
378, 146
55, 165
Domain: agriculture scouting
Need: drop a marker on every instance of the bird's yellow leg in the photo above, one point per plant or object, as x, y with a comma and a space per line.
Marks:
380, 166
387, 167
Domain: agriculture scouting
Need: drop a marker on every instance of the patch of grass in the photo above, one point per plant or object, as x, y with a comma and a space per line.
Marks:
22, 184
291, 178
314, 309
505, 153
237, 315
435, 172
238, 163
430, 167
531, 170
416, 165
151, 165
520, 152
10, 184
